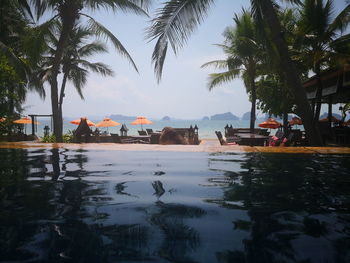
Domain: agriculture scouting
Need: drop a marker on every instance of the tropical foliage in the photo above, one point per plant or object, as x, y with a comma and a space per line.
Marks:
244, 53
321, 42
69, 13
177, 19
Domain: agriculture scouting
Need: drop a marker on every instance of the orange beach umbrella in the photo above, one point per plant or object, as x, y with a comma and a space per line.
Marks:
107, 122
270, 123
141, 120
77, 122
25, 120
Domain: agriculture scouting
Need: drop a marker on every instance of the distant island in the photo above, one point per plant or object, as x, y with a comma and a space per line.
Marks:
205, 118
246, 116
166, 118
121, 117
224, 116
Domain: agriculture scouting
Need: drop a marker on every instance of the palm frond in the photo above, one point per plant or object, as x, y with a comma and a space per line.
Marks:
218, 64
341, 21
92, 48
173, 24
25, 7
21, 68
216, 79
101, 31
97, 67
139, 7
79, 77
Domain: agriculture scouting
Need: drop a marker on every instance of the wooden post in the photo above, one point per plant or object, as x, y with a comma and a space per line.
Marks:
330, 111
33, 127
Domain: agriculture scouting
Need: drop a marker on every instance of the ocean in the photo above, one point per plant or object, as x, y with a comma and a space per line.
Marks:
206, 128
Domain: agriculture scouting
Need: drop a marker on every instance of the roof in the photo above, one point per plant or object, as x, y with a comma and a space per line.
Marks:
335, 81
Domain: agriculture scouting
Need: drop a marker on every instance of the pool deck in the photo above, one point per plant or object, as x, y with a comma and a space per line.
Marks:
206, 145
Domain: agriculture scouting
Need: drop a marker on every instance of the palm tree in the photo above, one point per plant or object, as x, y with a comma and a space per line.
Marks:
319, 34
243, 53
69, 12
74, 64
177, 19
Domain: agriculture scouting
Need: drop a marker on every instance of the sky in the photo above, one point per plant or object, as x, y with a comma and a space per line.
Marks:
182, 92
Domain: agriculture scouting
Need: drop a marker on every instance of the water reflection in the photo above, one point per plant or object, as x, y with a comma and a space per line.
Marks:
61, 205
298, 207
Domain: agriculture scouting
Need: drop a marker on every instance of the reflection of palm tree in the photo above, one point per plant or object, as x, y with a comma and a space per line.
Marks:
120, 189
281, 200
158, 188
179, 238
55, 164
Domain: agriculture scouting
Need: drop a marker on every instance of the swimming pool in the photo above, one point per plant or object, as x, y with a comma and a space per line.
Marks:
64, 205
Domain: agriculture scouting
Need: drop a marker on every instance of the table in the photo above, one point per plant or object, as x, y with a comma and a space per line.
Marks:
251, 139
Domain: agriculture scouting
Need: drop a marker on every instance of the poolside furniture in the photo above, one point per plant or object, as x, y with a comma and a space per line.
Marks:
223, 141
149, 131
252, 139
142, 133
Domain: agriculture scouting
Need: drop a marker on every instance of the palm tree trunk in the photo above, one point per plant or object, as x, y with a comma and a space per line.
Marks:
69, 15
318, 92
63, 87
292, 78
253, 108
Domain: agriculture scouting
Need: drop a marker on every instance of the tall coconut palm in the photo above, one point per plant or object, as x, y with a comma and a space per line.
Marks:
69, 12
243, 53
319, 31
177, 19
75, 67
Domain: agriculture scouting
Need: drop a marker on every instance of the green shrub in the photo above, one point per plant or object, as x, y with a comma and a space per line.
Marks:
68, 137
49, 139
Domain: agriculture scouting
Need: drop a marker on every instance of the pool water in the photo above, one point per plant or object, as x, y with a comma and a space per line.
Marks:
64, 205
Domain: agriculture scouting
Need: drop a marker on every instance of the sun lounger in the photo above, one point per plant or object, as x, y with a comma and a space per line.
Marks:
222, 140
142, 133
149, 131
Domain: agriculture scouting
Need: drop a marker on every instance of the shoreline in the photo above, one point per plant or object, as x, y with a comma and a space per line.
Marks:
206, 145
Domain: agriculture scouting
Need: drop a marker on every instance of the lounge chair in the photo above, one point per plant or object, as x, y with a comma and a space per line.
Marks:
142, 133
149, 131
222, 140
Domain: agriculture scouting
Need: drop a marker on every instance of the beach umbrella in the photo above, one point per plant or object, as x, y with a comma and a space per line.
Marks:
141, 120
107, 122
25, 121
270, 123
295, 121
77, 122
